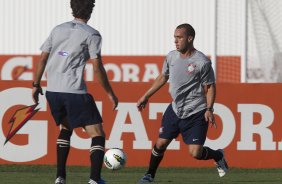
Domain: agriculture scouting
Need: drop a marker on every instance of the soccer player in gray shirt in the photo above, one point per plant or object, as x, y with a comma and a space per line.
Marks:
64, 55
192, 88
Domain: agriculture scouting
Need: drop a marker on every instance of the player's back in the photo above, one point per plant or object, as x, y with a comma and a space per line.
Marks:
70, 44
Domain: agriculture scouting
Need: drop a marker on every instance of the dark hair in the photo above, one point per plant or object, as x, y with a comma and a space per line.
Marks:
82, 8
188, 28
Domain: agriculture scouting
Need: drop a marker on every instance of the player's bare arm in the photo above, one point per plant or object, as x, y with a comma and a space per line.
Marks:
210, 94
158, 83
102, 77
38, 75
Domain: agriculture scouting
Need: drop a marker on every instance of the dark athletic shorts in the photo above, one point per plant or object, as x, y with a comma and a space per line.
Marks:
79, 109
193, 129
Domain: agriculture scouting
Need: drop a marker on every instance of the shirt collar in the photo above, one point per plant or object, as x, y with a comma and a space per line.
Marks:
78, 21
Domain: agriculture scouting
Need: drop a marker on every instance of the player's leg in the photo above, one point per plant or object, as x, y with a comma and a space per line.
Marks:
157, 155
63, 147
200, 152
83, 112
221, 165
58, 110
168, 131
195, 135
97, 150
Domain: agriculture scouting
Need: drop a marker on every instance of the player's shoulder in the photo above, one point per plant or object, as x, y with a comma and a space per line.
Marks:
63, 25
200, 56
83, 28
60, 27
90, 30
172, 54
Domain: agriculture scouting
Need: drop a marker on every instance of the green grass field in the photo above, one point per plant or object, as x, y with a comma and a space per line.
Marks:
16, 174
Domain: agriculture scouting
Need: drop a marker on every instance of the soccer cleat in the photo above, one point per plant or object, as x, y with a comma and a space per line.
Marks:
221, 165
101, 181
60, 180
147, 178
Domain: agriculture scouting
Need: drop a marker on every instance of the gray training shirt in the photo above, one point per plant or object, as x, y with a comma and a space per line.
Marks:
70, 45
187, 77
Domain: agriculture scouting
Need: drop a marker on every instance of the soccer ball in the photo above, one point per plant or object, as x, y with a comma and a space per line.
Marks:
115, 159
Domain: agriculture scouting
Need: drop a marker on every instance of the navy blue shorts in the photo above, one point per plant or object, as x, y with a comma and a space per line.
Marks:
80, 110
193, 129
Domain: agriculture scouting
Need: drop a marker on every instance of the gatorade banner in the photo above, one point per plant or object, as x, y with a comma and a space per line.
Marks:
118, 68
248, 120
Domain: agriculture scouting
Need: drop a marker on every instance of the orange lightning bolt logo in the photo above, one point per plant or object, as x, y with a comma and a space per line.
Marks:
19, 119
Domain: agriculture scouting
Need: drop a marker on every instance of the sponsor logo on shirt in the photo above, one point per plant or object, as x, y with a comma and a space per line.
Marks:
63, 53
191, 68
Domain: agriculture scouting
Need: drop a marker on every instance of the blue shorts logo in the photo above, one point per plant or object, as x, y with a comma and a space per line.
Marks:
63, 53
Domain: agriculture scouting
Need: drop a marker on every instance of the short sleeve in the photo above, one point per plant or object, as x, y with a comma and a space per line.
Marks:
94, 45
165, 69
47, 45
207, 74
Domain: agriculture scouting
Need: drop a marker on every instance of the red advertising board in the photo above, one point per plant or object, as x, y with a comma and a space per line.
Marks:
118, 68
248, 118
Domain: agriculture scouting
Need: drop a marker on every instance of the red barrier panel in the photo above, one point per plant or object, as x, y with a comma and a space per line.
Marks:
248, 118
118, 68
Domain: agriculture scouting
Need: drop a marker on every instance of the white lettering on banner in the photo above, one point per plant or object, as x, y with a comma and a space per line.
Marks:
125, 73
116, 71
280, 145
154, 109
228, 127
130, 72
35, 129
136, 126
11, 64
151, 72
248, 128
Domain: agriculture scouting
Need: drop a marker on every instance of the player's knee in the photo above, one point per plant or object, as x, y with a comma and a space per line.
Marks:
160, 146
162, 143
65, 134
95, 130
63, 140
158, 152
195, 154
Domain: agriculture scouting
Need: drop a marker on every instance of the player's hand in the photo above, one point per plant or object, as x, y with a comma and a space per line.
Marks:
141, 104
210, 118
35, 93
114, 100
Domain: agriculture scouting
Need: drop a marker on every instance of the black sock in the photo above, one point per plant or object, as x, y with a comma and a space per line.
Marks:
156, 158
96, 157
211, 154
63, 148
